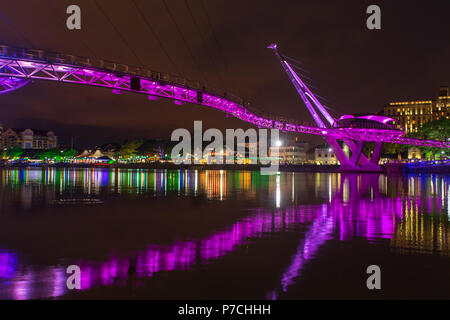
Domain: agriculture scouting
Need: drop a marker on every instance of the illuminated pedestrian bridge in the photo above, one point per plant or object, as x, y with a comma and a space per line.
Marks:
18, 67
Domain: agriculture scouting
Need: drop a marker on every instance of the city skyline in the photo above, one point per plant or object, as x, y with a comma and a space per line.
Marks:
348, 78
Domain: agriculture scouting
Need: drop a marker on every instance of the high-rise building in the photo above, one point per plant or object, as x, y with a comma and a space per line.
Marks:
411, 115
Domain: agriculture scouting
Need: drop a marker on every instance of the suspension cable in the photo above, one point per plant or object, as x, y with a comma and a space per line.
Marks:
219, 47
203, 42
303, 70
294, 66
119, 34
155, 35
293, 60
184, 40
17, 30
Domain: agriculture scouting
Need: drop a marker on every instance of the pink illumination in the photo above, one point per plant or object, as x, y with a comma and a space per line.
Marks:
184, 255
17, 66
350, 215
8, 84
346, 116
377, 118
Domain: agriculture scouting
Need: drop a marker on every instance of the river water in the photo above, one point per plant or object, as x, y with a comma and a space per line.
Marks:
199, 234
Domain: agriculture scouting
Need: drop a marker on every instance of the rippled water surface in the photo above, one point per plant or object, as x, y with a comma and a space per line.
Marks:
193, 234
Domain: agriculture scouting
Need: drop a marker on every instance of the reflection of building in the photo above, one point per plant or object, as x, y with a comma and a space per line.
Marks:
413, 114
27, 139
424, 233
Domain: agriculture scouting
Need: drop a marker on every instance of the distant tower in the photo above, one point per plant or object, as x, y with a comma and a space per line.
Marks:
443, 91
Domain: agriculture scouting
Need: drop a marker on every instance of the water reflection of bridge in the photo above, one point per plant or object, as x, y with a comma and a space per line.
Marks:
352, 206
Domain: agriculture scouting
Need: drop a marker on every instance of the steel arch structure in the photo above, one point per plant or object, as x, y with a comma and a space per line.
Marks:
19, 67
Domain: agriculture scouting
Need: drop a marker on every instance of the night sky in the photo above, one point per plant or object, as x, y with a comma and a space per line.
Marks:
224, 43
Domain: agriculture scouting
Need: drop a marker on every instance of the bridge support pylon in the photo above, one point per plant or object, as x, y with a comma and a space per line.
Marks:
357, 161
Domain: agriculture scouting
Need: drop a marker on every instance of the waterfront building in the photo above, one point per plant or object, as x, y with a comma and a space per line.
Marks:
91, 157
293, 153
291, 149
411, 115
251, 148
28, 139
325, 156
414, 153
210, 156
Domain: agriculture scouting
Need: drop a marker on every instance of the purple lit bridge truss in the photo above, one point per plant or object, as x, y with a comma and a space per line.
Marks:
19, 67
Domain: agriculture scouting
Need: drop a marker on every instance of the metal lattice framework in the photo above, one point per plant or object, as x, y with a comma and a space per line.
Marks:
19, 67
8, 84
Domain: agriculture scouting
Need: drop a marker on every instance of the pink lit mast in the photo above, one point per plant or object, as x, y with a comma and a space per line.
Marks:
355, 146
304, 91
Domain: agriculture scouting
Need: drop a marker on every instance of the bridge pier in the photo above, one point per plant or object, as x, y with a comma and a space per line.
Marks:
354, 159
357, 161
376, 153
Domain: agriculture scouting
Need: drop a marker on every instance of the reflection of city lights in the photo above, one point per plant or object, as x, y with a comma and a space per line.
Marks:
278, 192
329, 188
352, 207
448, 202
293, 186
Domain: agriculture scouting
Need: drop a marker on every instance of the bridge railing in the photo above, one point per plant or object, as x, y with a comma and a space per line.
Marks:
110, 66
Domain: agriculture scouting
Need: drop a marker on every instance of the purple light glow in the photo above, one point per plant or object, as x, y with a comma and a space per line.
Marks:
376, 219
8, 84
377, 118
346, 116
63, 69
8, 264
